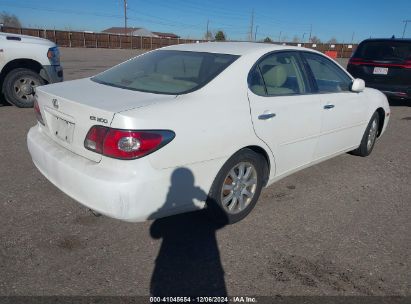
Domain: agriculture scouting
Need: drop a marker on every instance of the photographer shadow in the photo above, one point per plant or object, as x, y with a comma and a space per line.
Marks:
188, 262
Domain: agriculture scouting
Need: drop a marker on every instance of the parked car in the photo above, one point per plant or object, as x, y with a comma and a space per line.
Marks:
25, 63
384, 64
199, 125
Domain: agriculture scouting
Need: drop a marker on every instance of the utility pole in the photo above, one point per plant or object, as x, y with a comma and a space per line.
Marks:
207, 36
255, 35
311, 31
279, 37
251, 26
405, 27
125, 17
352, 37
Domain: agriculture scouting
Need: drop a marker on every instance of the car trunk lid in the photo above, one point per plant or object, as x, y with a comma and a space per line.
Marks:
71, 108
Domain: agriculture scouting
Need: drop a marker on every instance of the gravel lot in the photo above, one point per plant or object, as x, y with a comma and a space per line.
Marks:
338, 228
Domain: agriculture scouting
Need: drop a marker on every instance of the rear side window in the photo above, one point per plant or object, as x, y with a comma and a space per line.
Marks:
384, 50
329, 77
277, 74
166, 72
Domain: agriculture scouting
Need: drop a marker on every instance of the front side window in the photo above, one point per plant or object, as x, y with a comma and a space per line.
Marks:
277, 74
328, 76
166, 72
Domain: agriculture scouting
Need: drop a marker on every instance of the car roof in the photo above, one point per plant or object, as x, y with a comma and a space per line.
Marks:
387, 40
234, 48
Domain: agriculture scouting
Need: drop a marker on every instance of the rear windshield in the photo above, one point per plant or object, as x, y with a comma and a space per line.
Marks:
166, 72
385, 50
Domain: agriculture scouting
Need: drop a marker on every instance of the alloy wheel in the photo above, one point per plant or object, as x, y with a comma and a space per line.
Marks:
239, 187
372, 134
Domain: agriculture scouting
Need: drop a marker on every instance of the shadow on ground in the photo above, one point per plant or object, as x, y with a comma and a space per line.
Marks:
188, 262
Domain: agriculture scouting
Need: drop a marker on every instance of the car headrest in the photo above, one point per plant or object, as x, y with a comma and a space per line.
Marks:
276, 76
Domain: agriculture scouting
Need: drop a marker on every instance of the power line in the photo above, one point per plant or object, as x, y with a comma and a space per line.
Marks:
66, 11
265, 23
168, 21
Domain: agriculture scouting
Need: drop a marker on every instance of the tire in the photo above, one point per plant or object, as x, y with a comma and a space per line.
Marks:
369, 138
243, 173
18, 87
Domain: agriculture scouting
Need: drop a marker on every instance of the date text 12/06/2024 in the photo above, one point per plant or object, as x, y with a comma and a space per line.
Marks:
203, 300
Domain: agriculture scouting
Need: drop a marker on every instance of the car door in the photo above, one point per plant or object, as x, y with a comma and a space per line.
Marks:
285, 115
343, 111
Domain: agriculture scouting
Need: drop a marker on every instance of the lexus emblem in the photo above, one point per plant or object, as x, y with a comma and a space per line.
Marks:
55, 103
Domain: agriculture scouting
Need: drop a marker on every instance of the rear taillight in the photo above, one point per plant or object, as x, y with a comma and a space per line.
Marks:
95, 139
126, 144
359, 61
355, 61
38, 112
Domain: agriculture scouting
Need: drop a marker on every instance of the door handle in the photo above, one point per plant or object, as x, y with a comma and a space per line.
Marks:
266, 116
329, 106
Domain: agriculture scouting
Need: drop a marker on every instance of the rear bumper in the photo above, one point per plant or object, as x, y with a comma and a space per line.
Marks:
391, 90
127, 190
403, 95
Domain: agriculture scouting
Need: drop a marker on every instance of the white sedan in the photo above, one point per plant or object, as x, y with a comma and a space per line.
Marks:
199, 125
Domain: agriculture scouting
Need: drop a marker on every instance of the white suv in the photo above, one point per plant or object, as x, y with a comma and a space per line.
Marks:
27, 62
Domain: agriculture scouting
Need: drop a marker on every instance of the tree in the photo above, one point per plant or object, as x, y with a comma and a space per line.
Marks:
9, 20
267, 40
333, 40
220, 36
315, 39
296, 39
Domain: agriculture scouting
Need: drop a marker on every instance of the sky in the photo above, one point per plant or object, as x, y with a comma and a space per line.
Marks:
347, 21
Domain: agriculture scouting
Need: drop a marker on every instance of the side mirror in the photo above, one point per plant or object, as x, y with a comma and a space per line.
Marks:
358, 85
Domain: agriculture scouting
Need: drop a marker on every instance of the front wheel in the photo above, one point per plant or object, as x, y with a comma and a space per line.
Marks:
369, 138
19, 85
237, 187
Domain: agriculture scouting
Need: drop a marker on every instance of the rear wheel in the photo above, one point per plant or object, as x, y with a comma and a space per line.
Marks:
237, 187
19, 85
369, 137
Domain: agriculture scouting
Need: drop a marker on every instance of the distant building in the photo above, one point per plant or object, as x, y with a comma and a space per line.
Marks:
138, 31
166, 35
